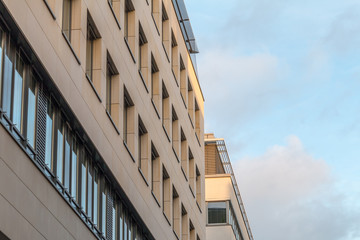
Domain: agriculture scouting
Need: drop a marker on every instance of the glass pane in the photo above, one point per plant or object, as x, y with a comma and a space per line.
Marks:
7, 81
60, 150
31, 112
96, 197
89, 190
66, 24
121, 232
1, 52
49, 136
216, 212
83, 183
67, 160
114, 221
103, 208
89, 54
74, 171
108, 91
18, 92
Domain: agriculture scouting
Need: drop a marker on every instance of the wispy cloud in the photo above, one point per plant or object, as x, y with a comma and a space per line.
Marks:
291, 195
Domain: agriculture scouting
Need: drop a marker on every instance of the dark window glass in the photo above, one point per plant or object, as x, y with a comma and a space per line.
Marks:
83, 182
89, 52
49, 136
31, 111
96, 196
59, 148
67, 155
18, 92
74, 168
7, 77
216, 212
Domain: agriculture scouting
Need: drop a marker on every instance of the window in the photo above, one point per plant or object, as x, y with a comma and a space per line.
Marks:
103, 197
91, 44
191, 172
74, 169
216, 212
197, 121
49, 135
174, 58
183, 81
184, 223
166, 204
192, 231
58, 157
112, 91
115, 9
165, 30
198, 188
176, 212
82, 180
165, 113
129, 26
66, 18
155, 173
175, 133
155, 12
31, 109
143, 147
184, 155
128, 121
143, 57
155, 82
191, 102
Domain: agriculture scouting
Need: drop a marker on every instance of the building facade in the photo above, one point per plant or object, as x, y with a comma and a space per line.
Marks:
226, 215
101, 116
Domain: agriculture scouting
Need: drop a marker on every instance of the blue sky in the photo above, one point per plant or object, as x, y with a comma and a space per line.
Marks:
286, 76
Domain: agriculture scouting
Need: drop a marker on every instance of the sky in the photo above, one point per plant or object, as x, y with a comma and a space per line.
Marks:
281, 81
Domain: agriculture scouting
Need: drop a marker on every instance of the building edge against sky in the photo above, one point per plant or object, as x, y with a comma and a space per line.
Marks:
102, 121
226, 215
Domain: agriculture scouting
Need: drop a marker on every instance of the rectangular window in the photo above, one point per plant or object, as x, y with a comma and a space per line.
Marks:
198, 187
66, 18
49, 136
190, 102
115, 9
143, 150
59, 146
175, 133
184, 155
216, 212
103, 196
2, 42
143, 56
90, 38
128, 121
129, 25
74, 168
67, 156
183, 81
165, 29
192, 230
96, 197
9, 57
120, 222
155, 82
197, 121
17, 100
166, 187
191, 172
82, 182
184, 223
155, 173
176, 212
90, 181
165, 113
174, 57
111, 86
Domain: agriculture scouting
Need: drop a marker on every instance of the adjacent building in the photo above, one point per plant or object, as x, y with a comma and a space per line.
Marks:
226, 216
102, 121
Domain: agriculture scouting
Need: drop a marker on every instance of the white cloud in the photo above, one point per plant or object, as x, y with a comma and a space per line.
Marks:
289, 194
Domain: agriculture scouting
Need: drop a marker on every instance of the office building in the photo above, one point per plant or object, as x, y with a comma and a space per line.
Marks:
101, 116
226, 215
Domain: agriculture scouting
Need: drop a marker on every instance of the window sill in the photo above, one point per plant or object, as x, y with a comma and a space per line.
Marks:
143, 176
112, 122
143, 81
197, 138
177, 84
176, 235
167, 219
176, 155
183, 171
182, 97
192, 191
167, 135
128, 150
191, 121
198, 205
157, 29
71, 48
155, 108
156, 200
50, 10
113, 12
167, 55
130, 51
93, 87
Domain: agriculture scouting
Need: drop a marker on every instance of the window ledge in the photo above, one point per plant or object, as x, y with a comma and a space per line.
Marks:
183, 171
156, 200
50, 10
113, 12
197, 138
167, 55
176, 235
71, 48
168, 221
198, 205
155, 108
177, 84
128, 150
192, 124
143, 176
112, 122
167, 135
182, 97
192, 191
177, 158
157, 29
93, 87
143, 81
130, 51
